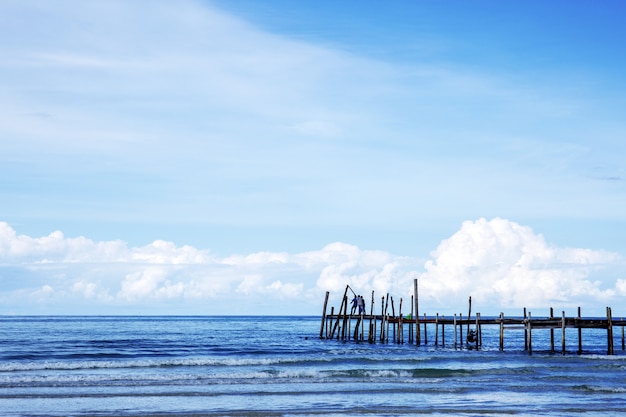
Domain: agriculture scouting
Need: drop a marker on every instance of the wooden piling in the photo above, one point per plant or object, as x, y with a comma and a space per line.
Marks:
477, 333
525, 332
461, 340
382, 319
469, 315
437, 330
443, 331
418, 338
623, 335
563, 334
454, 326
501, 332
324, 315
580, 334
411, 328
551, 331
400, 327
529, 334
371, 336
345, 319
609, 330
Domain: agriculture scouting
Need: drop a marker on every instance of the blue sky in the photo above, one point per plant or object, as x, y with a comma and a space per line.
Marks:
235, 157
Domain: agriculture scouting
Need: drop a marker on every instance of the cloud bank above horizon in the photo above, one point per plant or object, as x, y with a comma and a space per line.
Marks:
501, 264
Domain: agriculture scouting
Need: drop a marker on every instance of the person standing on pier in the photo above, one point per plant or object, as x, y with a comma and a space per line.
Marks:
361, 304
355, 302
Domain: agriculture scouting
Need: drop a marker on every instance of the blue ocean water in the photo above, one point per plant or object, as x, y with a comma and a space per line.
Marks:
278, 366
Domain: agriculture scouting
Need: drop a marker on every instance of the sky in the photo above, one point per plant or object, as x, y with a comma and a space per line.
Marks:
243, 157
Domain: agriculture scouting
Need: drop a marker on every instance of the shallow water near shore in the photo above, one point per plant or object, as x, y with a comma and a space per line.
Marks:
278, 366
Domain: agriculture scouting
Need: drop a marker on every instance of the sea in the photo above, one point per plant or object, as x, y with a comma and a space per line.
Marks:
279, 366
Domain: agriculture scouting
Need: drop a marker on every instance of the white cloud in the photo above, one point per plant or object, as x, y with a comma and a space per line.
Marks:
503, 264
500, 263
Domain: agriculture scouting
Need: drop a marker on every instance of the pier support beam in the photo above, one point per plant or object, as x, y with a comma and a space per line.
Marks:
609, 330
418, 338
501, 332
563, 334
580, 334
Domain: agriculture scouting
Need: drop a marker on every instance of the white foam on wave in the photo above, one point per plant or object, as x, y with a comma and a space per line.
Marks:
151, 363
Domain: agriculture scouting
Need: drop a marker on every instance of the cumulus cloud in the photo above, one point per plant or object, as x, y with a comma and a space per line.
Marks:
498, 262
504, 264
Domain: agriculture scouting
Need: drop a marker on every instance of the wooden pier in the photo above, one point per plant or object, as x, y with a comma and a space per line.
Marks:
347, 324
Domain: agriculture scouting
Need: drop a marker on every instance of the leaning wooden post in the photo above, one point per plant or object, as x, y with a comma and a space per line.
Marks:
530, 334
580, 333
609, 321
551, 331
324, 316
563, 334
418, 339
343, 300
345, 319
501, 332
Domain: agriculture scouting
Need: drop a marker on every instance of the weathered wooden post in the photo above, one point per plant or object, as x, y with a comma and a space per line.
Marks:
443, 331
454, 325
329, 323
371, 337
478, 331
501, 332
623, 335
345, 319
362, 322
437, 330
609, 330
382, 319
400, 329
580, 333
563, 334
425, 331
551, 331
344, 300
324, 315
411, 328
469, 315
530, 334
418, 339
461, 340
525, 332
